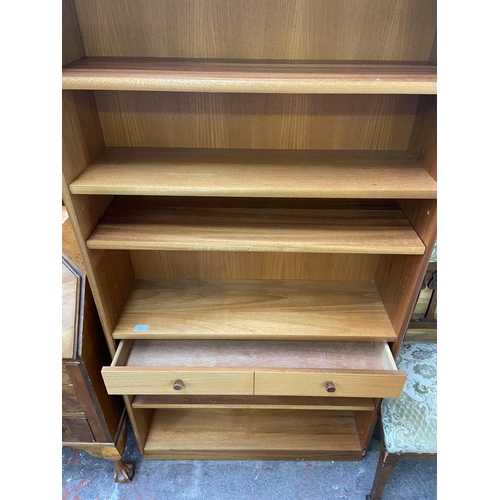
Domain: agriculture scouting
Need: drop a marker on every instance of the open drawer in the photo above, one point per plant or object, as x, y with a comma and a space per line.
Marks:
261, 368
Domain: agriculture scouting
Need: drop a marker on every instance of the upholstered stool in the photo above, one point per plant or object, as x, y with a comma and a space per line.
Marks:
409, 423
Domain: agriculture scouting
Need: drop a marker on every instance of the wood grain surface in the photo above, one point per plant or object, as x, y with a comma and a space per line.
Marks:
390, 30
259, 355
255, 402
133, 223
120, 381
250, 434
76, 429
151, 265
174, 75
239, 172
254, 309
71, 298
256, 121
263, 368
357, 385
72, 44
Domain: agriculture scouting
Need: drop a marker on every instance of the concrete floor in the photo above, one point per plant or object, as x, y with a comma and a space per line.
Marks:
87, 478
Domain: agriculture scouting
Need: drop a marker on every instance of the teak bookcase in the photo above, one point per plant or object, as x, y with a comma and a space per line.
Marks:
253, 189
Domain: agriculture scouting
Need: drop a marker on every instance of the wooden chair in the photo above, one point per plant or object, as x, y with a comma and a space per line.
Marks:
408, 424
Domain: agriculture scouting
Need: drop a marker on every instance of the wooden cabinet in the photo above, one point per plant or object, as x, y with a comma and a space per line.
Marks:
92, 420
253, 188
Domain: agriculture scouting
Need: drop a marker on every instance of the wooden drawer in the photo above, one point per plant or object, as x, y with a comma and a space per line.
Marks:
147, 379
65, 379
159, 380
354, 385
70, 403
363, 379
76, 430
261, 368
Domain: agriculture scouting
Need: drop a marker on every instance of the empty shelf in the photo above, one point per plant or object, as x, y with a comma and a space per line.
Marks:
239, 172
221, 434
254, 309
155, 223
193, 75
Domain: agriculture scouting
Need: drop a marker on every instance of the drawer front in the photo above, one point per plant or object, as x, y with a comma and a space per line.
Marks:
76, 430
65, 376
132, 381
361, 385
70, 403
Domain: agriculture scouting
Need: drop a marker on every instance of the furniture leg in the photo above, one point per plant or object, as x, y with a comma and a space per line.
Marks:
386, 463
124, 472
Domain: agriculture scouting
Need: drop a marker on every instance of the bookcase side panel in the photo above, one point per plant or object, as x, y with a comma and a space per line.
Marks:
109, 276
72, 43
399, 278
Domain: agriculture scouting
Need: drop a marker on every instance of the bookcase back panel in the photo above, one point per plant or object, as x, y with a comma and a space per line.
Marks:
423, 142
259, 121
249, 265
280, 29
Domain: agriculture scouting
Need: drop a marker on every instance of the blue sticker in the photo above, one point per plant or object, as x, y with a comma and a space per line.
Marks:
141, 328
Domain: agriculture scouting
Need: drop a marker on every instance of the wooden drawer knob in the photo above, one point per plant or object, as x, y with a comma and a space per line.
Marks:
178, 385
330, 387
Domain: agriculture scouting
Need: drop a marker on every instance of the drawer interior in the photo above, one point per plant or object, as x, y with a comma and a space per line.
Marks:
259, 368
256, 355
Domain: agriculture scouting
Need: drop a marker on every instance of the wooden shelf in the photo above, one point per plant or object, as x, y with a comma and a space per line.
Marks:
195, 75
155, 223
255, 402
266, 173
254, 309
221, 434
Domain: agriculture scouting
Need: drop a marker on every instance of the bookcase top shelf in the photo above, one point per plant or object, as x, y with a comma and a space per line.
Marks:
252, 76
254, 173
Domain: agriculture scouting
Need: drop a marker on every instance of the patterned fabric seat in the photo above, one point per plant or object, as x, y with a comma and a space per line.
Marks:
410, 422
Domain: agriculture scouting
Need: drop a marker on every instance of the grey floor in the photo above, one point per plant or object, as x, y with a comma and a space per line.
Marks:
87, 478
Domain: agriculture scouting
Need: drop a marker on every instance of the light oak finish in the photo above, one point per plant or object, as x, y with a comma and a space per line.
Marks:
72, 46
177, 75
358, 385
202, 120
217, 434
152, 224
158, 265
259, 173
82, 140
254, 309
398, 279
255, 402
423, 140
225, 367
155, 380
261, 355
256, 121
358, 30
